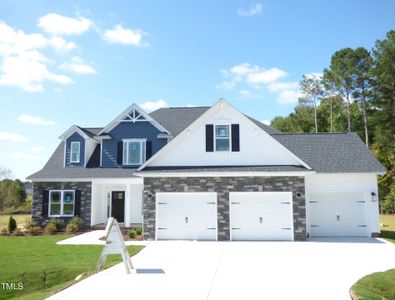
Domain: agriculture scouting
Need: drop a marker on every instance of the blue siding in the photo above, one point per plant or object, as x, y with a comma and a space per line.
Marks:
75, 138
128, 130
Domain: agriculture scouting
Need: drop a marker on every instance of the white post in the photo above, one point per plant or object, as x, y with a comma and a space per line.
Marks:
128, 198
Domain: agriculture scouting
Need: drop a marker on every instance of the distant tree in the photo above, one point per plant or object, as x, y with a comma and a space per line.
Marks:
312, 89
12, 194
5, 173
340, 77
362, 88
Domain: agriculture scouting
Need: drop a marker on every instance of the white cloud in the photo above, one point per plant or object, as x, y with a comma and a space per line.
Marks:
56, 24
247, 94
266, 122
126, 36
151, 106
22, 155
12, 137
22, 64
16, 41
266, 76
60, 45
78, 65
35, 120
288, 96
39, 148
252, 10
314, 75
28, 71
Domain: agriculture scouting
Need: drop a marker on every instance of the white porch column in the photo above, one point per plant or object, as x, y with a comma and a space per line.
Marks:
128, 200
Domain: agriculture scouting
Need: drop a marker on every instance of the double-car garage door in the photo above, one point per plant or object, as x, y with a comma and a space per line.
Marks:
253, 216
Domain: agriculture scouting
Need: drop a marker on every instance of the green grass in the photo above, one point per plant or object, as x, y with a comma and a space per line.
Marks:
388, 227
20, 220
380, 285
44, 267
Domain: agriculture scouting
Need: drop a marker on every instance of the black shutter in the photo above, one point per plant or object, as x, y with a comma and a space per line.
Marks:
77, 203
120, 153
45, 203
235, 138
209, 138
148, 150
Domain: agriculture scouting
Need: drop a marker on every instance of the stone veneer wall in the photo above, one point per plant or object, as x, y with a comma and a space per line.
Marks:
38, 193
224, 185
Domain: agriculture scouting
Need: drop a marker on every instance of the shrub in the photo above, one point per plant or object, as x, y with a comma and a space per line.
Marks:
4, 231
34, 230
31, 224
50, 228
72, 228
139, 231
59, 223
78, 222
132, 234
11, 224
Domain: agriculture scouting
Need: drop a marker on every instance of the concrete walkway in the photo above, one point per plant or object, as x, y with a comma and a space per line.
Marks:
93, 238
317, 269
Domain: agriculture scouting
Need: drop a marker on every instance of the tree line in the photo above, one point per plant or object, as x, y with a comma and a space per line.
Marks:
356, 92
12, 192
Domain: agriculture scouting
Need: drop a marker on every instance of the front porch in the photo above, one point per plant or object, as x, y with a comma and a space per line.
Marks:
118, 198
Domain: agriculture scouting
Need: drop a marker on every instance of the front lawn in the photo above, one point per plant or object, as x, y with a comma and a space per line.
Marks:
378, 285
44, 267
388, 227
20, 220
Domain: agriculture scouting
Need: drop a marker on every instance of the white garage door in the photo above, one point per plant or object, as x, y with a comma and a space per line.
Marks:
191, 216
261, 215
337, 214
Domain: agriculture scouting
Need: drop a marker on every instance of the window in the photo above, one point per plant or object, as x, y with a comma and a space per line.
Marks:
75, 152
222, 138
61, 203
134, 151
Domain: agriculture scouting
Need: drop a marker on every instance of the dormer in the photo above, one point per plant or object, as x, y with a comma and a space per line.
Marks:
131, 139
79, 145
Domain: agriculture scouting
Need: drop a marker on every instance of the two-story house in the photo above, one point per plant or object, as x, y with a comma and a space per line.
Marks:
210, 173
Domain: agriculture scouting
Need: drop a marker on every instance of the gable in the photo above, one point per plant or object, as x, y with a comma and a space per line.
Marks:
133, 114
256, 146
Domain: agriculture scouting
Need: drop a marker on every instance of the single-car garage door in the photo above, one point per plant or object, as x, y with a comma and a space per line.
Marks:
261, 215
186, 216
337, 214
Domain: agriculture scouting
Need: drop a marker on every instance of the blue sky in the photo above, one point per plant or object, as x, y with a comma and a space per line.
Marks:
68, 62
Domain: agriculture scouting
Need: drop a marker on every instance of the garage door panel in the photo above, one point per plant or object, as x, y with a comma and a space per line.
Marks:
186, 216
261, 216
337, 214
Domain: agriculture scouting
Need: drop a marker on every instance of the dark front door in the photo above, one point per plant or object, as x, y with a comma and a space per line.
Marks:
118, 206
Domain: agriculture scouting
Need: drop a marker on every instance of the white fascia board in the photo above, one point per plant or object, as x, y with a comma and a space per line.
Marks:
134, 106
220, 103
134, 180
72, 130
351, 173
221, 174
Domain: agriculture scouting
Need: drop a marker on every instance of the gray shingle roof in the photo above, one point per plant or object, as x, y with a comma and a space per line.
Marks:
176, 119
331, 152
54, 169
268, 129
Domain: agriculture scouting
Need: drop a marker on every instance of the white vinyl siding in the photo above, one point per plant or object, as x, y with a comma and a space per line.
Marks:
134, 152
61, 203
75, 149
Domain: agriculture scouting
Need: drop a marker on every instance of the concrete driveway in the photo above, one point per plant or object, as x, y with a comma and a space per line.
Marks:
317, 269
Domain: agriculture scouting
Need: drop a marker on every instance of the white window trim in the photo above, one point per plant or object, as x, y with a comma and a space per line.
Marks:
71, 152
222, 138
142, 155
61, 203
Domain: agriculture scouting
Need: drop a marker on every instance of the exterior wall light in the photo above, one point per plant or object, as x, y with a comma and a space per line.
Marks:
374, 196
